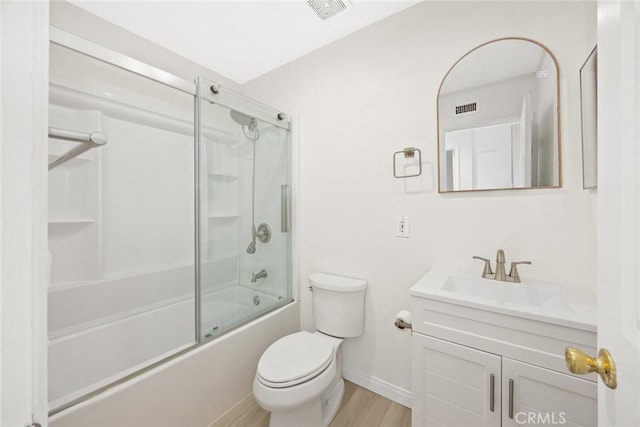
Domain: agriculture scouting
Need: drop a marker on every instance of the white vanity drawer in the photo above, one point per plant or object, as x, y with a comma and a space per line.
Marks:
536, 342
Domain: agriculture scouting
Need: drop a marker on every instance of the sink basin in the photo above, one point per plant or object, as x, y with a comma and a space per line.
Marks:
561, 304
505, 293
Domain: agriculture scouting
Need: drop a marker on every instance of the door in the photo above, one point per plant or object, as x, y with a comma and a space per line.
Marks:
453, 385
538, 396
618, 207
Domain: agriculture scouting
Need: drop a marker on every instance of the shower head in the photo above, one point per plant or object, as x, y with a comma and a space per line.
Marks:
243, 120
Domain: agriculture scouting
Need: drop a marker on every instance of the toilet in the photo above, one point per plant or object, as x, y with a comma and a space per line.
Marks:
299, 377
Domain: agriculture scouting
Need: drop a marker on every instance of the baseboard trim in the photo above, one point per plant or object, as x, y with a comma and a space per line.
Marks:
376, 385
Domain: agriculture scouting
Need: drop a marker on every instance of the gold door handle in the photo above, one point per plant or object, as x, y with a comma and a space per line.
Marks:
579, 363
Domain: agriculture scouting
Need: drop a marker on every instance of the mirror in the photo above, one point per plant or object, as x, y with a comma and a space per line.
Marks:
499, 119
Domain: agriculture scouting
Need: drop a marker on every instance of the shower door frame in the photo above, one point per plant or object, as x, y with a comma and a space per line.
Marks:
85, 47
208, 90
108, 56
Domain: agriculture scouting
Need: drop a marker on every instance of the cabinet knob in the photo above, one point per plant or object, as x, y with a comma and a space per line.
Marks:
580, 363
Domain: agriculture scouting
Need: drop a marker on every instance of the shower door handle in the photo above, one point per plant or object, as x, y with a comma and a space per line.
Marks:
284, 208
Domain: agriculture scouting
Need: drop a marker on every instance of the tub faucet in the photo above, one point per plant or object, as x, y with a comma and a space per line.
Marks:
259, 275
500, 274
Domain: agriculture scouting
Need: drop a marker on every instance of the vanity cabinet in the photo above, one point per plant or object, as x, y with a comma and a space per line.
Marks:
455, 385
473, 366
546, 397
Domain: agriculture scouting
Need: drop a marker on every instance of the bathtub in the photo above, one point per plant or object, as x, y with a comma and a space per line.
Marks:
191, 390
103, 331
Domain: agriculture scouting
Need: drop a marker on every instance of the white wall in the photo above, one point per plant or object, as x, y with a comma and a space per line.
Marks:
373, 93
23, 189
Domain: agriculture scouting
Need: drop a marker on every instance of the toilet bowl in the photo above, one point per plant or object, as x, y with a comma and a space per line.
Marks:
299, 377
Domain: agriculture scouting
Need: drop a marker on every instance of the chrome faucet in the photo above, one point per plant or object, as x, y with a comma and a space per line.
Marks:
500, 274
259, 275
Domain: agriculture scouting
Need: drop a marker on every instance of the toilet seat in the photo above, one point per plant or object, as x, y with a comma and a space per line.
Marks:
295, 359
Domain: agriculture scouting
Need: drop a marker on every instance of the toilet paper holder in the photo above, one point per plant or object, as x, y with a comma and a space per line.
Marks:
401, 324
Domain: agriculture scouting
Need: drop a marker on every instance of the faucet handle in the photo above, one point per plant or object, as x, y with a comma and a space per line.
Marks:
487, 272
513, 273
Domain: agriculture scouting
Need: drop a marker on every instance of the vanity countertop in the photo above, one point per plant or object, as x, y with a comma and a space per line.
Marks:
572, 306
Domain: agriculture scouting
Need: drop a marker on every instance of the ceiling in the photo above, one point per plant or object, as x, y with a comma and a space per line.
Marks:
240, 39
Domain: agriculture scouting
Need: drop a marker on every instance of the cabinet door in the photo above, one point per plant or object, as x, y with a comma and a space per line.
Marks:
453, 385
538, 396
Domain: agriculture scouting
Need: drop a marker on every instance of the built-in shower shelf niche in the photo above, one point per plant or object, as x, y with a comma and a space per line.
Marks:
69, 164
223, 217
74, 201
221, 157
71, 221
223, 176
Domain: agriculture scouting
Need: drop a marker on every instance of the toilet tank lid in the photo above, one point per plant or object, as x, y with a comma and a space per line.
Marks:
331, 282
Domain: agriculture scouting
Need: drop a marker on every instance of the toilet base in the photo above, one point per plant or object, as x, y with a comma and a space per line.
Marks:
316, 413
332, 400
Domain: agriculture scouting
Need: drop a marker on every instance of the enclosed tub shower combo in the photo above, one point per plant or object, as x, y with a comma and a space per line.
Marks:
169, 216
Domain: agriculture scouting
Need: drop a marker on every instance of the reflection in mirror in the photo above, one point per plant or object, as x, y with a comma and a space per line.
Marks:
498, 119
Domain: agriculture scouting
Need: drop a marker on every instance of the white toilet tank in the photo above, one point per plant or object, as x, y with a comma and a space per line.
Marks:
338, 304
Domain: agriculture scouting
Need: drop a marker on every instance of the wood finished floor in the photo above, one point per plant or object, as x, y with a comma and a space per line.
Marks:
360, 408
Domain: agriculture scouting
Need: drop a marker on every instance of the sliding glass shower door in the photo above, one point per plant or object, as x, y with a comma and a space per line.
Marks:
121, 224
245, 242
169, 217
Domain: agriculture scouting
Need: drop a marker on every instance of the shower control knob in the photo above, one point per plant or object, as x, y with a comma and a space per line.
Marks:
264, 233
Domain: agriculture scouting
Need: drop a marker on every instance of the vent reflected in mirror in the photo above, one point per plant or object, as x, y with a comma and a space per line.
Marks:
498, 119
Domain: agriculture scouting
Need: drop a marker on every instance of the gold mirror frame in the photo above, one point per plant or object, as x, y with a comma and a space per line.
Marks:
559, 124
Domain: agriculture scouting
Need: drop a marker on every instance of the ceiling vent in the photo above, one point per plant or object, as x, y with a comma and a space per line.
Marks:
466, 108
327, 8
